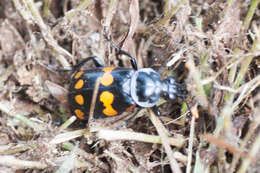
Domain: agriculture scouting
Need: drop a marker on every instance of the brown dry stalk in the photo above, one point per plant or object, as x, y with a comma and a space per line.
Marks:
165, 141
223, 144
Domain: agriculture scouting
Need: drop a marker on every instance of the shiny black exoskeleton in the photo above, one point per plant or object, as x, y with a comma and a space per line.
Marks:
120, 89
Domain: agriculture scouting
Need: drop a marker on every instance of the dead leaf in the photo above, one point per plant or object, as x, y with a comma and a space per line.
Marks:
57, 91
10, 39
128, 43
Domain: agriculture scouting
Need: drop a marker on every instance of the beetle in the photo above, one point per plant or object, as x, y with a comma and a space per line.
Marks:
120, 90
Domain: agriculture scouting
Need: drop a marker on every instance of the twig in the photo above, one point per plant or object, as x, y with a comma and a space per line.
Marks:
93, 101
125, 135
12, 161
191, 139
165, 141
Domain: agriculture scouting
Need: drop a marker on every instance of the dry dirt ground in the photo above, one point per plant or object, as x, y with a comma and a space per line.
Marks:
212, 47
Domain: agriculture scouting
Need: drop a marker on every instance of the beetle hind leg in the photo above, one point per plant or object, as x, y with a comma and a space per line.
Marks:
156, 111
120, 51
98, 62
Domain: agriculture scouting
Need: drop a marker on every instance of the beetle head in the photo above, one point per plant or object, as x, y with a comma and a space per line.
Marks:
172, 89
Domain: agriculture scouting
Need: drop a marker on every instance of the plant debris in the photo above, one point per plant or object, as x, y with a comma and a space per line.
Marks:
213, 47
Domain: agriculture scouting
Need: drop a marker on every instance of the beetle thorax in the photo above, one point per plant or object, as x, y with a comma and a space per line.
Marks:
146, 87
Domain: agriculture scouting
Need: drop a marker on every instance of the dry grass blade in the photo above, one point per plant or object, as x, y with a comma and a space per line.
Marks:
84, 4
128, 43
134, 16
12, 161
93, 101
134, 136
5, 107
253, 152
46, 11
246, 91
165, 141
67, 136
250, 14
110, 13
223, 144
170, 9
191, 139
255, 147
34, 14
7, 150
201, 95
245, 141
227, 111
67, 123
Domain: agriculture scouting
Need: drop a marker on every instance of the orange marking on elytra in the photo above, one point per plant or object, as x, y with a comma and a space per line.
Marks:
77, 75
107, 79
79, 113
79, 99
79, 84
107, 99
108, 69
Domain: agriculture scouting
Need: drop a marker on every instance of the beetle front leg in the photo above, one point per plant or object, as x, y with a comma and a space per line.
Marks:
156, 111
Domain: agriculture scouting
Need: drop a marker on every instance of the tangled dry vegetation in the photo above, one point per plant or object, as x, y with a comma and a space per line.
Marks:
211, 46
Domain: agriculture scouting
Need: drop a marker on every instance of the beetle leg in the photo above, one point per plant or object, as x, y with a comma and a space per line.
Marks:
98, 62
52, 68
120, 51
156, 111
